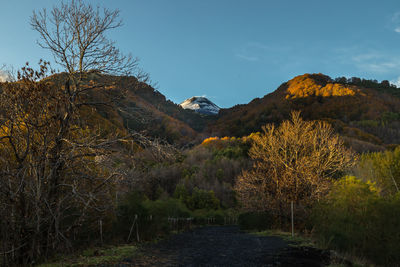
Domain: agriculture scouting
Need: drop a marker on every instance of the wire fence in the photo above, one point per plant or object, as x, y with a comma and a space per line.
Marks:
140, 225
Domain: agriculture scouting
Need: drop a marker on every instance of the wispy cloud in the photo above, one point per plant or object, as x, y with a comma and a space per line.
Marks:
256, 51
377, 62
395, 22
372, 61
247, 58
251, 51
258, 45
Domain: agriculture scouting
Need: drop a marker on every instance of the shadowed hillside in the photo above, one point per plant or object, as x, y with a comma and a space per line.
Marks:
125, 104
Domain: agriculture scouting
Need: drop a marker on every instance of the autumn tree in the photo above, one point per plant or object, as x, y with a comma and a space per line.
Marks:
55, 176
295, 161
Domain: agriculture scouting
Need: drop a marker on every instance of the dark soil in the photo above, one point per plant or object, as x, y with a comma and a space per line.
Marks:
225, 246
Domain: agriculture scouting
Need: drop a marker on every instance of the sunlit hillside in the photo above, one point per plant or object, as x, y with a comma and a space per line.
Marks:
357, 112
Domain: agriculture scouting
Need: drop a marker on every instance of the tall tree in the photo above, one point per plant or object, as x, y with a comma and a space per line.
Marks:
53, 173
75, 33
293, 162
52, 178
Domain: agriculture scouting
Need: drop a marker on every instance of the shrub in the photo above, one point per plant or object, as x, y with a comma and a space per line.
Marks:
166, 208
354, 218
181, 192
152, 215
202, 199
219, 216
160, 211
255, 221
382, 168
131, 205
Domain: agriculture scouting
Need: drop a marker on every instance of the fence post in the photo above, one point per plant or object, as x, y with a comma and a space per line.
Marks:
101, 231
137, 228
292, 219
130, 231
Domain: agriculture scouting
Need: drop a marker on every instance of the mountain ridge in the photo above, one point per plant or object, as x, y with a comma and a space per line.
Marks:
357, 112
365, 113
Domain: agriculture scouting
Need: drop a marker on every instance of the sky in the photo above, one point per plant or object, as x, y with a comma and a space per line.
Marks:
232, 51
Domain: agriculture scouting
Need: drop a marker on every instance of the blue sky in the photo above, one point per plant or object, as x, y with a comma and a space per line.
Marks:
234, 50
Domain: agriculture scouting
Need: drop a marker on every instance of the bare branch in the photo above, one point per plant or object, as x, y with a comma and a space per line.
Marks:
75, 33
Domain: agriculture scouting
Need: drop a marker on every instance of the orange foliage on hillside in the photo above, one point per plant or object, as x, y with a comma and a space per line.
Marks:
306, 85
216, 141
345, 105
210, 140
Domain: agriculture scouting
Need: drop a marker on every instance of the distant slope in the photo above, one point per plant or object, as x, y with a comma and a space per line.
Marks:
125, 104
368, 118
365, 113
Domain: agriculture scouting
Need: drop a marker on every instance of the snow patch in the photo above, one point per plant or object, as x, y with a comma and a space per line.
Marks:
200, 104
4, 76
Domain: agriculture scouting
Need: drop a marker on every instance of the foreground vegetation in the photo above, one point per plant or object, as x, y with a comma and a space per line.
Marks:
93, 256
356, 219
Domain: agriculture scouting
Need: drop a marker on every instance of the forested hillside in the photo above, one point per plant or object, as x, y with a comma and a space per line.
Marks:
365, 113
130, 105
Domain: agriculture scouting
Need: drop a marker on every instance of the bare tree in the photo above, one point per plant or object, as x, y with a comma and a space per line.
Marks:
75, 33
53, 173
55, 170
293, 162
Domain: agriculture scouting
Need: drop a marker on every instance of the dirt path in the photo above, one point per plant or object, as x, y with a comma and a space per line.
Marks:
225, 246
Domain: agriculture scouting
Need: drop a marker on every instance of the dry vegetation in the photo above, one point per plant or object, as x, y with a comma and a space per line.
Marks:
293, 162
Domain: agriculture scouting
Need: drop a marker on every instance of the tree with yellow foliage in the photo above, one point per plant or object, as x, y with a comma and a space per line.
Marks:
295, 161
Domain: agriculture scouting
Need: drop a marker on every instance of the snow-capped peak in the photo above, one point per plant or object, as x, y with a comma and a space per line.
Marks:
200, 104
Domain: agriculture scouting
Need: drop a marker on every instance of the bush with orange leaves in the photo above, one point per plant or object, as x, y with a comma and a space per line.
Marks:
293, 162
209, 140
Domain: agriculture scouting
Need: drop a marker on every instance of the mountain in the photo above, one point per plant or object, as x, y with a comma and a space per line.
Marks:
366, 113
126, 104
201, 105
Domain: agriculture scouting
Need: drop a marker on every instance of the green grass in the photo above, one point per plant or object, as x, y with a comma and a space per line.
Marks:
296, 240
93, 256
301, 241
